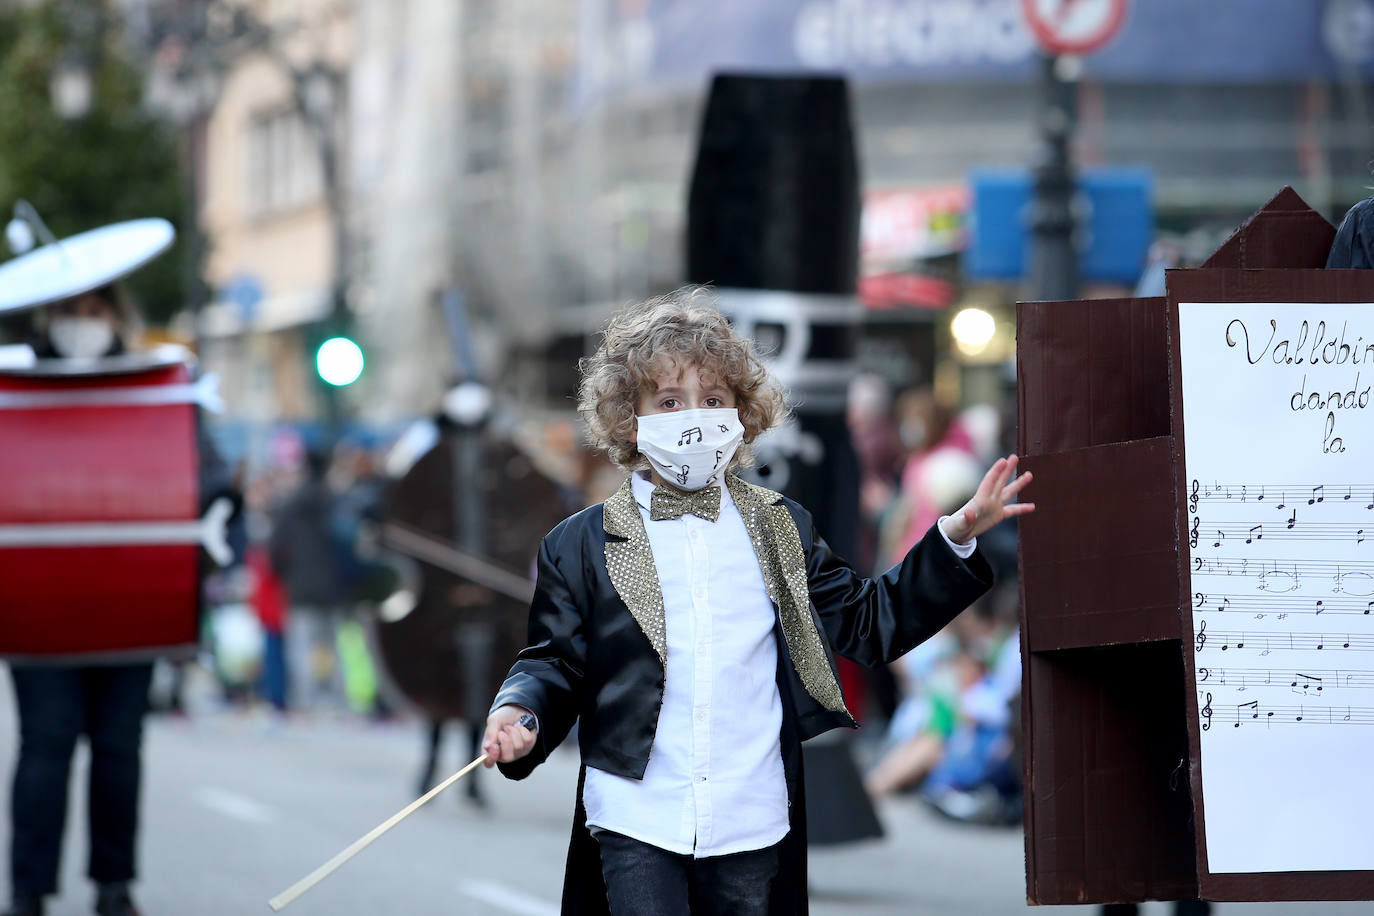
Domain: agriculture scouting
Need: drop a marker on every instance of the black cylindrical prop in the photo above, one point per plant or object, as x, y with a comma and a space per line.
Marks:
773, 225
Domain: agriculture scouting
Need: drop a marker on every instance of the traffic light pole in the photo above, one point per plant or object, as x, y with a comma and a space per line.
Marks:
1053, 256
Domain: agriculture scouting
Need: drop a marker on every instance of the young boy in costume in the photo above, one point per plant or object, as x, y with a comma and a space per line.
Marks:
691, 623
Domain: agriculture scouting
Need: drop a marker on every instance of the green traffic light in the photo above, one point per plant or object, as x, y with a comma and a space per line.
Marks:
339, 361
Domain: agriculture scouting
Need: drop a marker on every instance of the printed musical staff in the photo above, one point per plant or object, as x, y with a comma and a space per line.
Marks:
1205, 601
1256, 713
1278, 495
1315, 682
1244, 534
1264, 642
1352, 578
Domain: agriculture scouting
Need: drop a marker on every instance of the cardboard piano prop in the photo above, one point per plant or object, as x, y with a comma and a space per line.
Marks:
100, 529
1198, 582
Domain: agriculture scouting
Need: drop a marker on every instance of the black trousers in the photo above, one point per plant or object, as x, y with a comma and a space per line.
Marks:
643, 880
56, 705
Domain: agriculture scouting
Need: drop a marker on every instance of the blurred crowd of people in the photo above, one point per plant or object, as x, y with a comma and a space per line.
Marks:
287, 623
948, 710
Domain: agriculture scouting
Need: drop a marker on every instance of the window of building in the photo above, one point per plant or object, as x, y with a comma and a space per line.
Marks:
283, 163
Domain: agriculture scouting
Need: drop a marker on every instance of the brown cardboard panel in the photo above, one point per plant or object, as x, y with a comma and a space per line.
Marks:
1284, 233
1270, 285
1091, 372
1107, 800
1237, 285
1098, 562
1290, 885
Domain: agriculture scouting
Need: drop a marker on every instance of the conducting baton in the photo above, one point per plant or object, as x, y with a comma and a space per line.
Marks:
280, 901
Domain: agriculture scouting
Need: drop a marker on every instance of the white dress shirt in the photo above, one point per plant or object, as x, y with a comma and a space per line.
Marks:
714, 783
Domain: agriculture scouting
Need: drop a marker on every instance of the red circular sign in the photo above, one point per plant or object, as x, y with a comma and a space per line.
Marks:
1074, 26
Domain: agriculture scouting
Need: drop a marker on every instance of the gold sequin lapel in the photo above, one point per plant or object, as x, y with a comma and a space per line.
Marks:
630, 563
778, 547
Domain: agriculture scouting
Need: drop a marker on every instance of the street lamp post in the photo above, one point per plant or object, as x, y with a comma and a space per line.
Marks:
1053, 257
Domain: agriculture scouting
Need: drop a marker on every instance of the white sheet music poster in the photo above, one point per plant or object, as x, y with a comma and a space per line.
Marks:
1279, 437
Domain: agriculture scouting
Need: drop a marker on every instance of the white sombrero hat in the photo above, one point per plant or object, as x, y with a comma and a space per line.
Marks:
81, 263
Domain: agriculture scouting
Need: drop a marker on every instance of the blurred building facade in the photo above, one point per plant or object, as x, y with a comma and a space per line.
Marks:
533, 158
264, 209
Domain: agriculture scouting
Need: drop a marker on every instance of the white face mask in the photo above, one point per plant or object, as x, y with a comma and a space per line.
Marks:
81, 338
691, 449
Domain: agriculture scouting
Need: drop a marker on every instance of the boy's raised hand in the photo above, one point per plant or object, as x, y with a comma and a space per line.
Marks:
506, 739
991, 504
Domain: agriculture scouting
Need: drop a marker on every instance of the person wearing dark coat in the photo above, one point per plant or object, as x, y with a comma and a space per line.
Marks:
1353, 246
692, 629
305, 553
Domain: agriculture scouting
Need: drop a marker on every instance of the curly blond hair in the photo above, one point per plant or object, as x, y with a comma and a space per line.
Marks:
646, 338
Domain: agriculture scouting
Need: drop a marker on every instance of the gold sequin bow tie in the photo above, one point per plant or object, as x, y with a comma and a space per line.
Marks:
664, 504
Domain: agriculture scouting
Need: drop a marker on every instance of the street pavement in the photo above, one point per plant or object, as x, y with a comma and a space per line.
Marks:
238, 806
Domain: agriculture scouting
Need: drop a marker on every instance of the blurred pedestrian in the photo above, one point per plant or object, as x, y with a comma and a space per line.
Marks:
939, 473
267, 594
877, 445
58, 703
878, 448
304, 552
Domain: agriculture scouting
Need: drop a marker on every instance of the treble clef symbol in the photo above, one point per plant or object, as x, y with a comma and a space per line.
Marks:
1201, 639
1192, 533
1193, 498
1207, 714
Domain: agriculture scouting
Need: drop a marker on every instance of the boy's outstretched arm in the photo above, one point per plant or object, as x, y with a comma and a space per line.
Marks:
876, 620
991, 503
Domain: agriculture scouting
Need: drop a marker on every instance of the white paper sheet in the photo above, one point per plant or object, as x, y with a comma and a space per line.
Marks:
1279, 437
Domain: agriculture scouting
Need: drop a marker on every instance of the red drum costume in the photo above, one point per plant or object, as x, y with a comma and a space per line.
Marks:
99, 528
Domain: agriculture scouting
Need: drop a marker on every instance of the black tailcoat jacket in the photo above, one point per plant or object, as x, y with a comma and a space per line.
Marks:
597, 648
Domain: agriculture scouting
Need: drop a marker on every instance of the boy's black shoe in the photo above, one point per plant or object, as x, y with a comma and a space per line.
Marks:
26, 906
114, 900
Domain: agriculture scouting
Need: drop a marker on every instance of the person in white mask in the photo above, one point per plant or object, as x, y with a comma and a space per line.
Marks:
691, 623
85, 327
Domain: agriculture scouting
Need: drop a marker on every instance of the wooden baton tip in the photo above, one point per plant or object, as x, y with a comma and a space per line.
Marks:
279, 902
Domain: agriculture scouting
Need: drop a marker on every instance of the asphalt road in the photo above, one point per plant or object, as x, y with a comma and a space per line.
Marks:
237, 807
